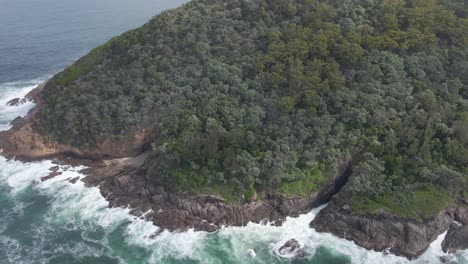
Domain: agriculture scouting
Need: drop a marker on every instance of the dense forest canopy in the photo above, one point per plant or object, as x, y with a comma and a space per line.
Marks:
251, 97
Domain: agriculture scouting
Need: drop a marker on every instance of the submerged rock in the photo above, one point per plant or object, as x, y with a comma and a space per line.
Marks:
292, 248
73, 180
289, 247
51, 175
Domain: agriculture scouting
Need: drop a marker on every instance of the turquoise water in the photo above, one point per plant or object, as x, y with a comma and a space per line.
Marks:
59, 222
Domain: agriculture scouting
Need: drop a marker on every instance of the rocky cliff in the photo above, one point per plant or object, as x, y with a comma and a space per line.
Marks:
23, 141
400, 236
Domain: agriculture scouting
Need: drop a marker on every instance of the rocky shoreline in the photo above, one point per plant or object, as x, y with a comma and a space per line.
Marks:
404, 237
123, 184
115, 166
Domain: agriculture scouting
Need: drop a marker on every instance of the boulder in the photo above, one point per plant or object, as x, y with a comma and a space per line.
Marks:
292, 248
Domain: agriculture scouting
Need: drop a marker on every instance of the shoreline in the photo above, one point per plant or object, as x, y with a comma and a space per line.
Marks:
122, 183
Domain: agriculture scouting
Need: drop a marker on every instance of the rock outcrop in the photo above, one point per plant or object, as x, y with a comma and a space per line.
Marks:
404, 237
456, 239
457, 236
182, 211
292, 249
17, 101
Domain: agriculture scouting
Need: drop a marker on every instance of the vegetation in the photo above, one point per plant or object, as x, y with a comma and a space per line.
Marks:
422, 203
250, 97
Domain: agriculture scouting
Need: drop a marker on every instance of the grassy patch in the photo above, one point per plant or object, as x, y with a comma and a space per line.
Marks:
193, 181
425, 202
226, 191
82, 66
311, 182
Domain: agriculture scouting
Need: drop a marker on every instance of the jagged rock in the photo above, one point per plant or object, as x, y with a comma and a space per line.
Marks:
292, 248
461, 215
182, 211
13, 102
51, 175
16, 102
123, 182
74, 180
448, 260
456, 239
380, 232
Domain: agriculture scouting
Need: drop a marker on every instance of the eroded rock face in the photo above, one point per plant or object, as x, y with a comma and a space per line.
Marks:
182, 211
456, 238
28, 144
381, 232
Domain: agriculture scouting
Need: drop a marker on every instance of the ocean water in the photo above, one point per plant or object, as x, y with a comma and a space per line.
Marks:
60, 222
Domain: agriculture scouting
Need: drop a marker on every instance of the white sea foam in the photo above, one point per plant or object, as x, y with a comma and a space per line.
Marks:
79, 204
12, 90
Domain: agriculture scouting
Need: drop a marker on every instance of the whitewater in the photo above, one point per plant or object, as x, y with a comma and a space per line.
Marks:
56, 221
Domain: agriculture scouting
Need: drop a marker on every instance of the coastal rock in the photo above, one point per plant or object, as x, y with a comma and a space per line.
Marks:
51, 175
128, 187
182, 211
16, 102
402, 237
13, 102
74, 180
456, 239
461, 215
292, 249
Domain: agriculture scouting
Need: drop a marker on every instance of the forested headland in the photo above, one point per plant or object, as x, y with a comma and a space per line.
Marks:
250, 97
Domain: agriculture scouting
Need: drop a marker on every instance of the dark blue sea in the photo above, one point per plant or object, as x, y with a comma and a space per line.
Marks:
59, 222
